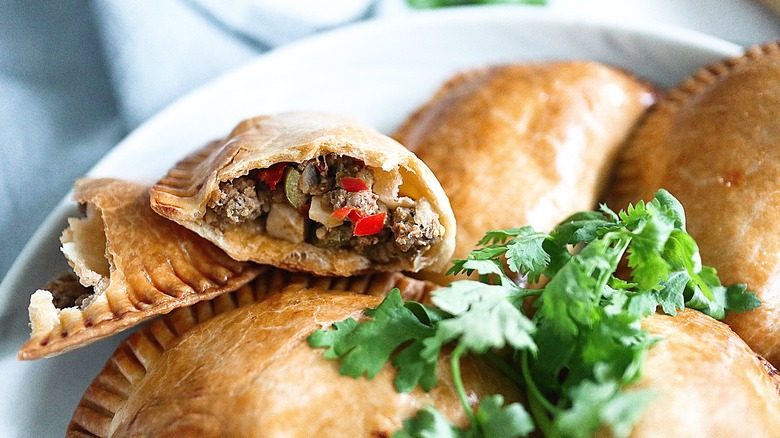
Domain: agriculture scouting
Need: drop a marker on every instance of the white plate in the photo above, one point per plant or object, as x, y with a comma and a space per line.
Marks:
378, 72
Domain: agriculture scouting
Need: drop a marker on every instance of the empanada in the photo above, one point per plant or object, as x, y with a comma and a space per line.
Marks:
131, 265
707, 382
524, 144
240, 365
713, 143
312, 192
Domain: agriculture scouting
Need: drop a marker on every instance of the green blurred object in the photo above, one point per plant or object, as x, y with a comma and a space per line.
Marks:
427, 4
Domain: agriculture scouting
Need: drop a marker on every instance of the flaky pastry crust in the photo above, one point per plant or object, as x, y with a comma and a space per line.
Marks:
133, 264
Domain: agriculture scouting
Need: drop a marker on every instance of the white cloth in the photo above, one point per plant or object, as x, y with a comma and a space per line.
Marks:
158, 50
76, 76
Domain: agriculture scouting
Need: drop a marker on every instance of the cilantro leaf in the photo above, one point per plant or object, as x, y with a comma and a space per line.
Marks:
601, 404
671, 208
487, 267
526, 255
570, 296
670, 294
412, 371
492, 420
483, 317
563, 305
429, 423
613, 348
736, 298
496, 420
609, 213
580, 227
468, 265
427, 315
649, 231
369, 346
559, 256
495, 237
328, 338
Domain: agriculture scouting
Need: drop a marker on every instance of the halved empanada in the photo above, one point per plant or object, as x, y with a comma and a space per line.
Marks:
524, 144
713, 143
240, 365
131, 265
312, 192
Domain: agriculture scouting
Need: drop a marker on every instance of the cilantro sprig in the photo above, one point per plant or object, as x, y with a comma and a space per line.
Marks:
594, 277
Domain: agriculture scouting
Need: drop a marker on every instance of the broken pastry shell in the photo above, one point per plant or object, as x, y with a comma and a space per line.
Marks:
131, 264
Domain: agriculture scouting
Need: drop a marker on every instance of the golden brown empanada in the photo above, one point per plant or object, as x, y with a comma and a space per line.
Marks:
713, 143
240, 365
132, 264
524, 144
312, 192
707, 382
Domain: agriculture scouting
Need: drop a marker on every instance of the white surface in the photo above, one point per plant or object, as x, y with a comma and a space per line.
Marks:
745, 22
378, 72
276, 22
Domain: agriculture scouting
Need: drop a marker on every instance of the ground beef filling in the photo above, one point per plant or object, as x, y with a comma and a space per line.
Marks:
238, 201
67, 291
302, 202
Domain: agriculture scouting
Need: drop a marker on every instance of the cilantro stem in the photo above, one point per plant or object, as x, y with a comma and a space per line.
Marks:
458, 381
531, 385
525, 293
541, 418
620, 246
537, 402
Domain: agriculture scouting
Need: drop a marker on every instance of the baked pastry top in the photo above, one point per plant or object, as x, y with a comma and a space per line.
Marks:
706, 382
525, 144
240, 365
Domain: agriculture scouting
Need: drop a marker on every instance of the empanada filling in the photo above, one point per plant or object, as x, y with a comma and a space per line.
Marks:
84, 245
68, 292
332, 201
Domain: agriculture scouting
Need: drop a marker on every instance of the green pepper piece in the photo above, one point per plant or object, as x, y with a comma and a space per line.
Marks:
292, 191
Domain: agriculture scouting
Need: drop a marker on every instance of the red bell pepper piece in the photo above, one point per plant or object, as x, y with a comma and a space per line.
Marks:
273, 175
353, 184
342, 212
356, 215
370, 225
350, 213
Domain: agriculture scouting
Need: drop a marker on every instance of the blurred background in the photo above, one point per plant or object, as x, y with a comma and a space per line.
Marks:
76, 76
